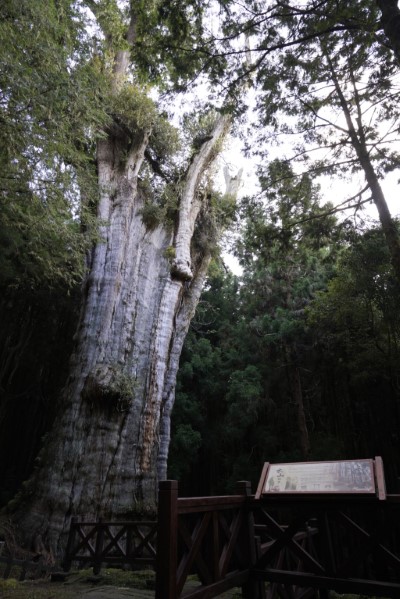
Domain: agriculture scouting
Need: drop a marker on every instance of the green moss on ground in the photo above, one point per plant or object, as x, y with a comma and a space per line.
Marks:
76, 583
141, 579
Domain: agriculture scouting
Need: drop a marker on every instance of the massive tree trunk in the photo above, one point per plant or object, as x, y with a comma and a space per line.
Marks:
109, 444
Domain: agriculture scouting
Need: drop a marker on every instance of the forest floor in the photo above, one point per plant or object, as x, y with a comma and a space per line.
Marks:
110, 584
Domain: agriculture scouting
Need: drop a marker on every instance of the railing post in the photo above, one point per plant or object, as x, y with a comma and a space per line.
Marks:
99, 547
252, 589
67, 561
167, 540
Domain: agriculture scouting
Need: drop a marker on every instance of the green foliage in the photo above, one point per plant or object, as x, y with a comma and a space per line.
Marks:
198, 126
122, 386
133, 107
187, 443
357, 330
337, 82
358, 314
113, 22
243, 396
152, 215
41, 245
137, 112
308, 302
161, 209
167, 36
339, 319
50, 113
170, 252
218, 394
224, 209
217, 215
292, 244
55, 102
164, 139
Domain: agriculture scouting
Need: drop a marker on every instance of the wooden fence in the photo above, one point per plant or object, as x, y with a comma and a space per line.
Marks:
351, 545
111, 543
210, 537
301, 546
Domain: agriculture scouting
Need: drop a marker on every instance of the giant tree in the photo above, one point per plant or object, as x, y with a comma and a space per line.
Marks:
157, 226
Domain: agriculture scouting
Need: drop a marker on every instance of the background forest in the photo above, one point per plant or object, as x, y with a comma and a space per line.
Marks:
296, 358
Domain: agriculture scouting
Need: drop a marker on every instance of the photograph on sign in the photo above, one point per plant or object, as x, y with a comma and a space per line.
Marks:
321, 477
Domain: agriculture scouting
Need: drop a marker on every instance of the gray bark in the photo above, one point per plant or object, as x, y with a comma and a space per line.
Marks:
109, 445
190, 203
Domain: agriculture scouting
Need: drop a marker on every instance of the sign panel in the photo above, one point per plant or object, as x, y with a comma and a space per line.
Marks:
348, 476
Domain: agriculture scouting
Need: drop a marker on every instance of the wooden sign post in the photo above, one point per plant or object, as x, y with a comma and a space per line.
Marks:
335, 477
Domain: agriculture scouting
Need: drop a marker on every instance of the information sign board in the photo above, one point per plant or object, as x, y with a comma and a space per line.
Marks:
345, 476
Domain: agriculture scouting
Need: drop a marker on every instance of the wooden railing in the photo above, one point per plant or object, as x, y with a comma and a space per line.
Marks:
341, 543
348, 544
111, 543
301, 546
209, 537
